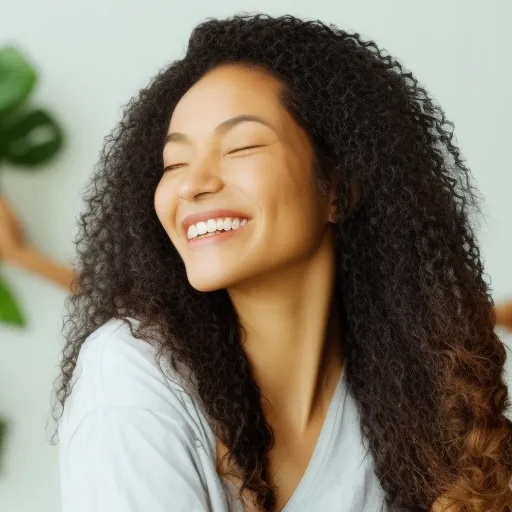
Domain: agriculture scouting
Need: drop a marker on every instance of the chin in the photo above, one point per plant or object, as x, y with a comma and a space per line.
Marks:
209, 281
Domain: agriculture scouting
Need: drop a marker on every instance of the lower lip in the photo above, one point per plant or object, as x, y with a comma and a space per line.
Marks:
207, 240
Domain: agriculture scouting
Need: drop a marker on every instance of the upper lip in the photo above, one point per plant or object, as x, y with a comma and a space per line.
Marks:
194, 218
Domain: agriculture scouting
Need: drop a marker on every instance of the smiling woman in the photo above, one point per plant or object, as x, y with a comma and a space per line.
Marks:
270, 181
281, 304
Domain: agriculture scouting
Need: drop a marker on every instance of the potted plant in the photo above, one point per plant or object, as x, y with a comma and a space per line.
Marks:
29, 137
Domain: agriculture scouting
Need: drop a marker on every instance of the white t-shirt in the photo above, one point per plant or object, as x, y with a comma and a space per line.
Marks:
132, 440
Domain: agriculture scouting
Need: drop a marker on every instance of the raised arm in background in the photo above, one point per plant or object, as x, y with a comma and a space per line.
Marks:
504, 314
15, 250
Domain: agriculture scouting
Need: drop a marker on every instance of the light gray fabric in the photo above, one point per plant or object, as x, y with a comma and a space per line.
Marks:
133, 440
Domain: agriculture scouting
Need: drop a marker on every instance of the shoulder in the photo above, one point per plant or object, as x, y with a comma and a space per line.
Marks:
125, 368
117, 370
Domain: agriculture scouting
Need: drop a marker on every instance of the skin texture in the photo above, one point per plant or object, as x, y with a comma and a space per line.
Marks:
279, 270
409, 304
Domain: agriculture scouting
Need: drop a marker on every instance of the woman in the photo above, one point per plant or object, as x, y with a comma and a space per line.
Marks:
281, 299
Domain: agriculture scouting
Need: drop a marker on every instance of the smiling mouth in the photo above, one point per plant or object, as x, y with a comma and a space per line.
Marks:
214, 226
215, 236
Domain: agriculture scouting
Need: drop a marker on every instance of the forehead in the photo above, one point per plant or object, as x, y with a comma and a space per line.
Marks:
225, 92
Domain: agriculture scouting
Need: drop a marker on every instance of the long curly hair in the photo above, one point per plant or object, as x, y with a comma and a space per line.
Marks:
422, 360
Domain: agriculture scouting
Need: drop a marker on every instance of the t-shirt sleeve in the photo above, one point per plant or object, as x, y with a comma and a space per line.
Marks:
133, 459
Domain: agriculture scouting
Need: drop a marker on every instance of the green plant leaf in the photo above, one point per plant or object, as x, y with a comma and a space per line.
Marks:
10, 313
31, 139
17, 79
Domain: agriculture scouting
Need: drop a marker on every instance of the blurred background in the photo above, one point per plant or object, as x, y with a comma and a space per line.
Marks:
92, 56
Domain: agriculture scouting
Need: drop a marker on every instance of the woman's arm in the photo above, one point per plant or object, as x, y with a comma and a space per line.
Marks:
16, 251
132, 459
128, 440
31, 259
504, 315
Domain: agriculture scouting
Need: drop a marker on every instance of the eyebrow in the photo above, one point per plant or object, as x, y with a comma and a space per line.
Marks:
222, 127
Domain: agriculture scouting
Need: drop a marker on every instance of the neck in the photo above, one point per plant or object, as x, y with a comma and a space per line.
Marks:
291, 335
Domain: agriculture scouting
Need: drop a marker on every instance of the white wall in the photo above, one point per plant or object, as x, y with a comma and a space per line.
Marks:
95, 54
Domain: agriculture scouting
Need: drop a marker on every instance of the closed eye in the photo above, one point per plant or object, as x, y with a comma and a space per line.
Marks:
246, 147
175, 166
172, 167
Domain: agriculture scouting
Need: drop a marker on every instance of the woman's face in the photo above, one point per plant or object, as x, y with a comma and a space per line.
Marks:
237, 196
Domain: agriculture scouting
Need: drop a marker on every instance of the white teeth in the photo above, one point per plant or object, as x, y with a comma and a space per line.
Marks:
201, 228
213, 225
192, 232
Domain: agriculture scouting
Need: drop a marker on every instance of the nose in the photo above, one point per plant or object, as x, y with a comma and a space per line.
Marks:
200, 179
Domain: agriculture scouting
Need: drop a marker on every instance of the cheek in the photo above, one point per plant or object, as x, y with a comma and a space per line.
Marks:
163, 205
158, 202
270, 182
285, 195
292, 215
